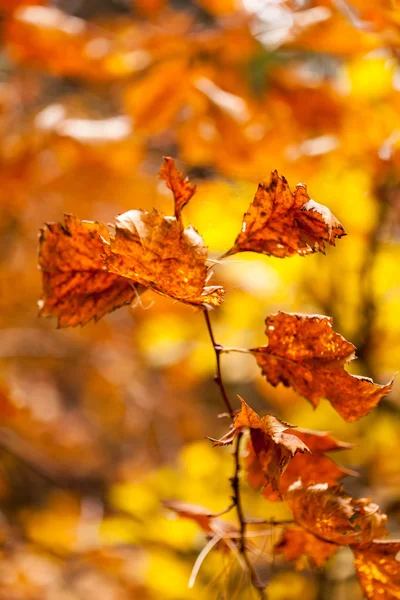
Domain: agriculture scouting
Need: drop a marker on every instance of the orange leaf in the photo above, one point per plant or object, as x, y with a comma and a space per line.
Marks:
273, 447
378, 569
305, 353
157, 252
297, 543
76, 286
203, 516
331, 514
314, 468
178, 184
280, 223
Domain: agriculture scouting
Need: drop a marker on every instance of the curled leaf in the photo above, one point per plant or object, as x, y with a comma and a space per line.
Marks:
273, 446
305, 353
179, 185
87, 272
297, 543
333, 515
157, 252
76, 284
312, 468
281, 223
378, 569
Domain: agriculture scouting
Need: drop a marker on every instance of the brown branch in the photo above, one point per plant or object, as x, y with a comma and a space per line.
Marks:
218, 349
235, 480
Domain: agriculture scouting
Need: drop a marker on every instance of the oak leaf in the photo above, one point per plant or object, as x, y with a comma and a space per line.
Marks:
281, 223
331, 514
305, 353
76, 284
273, 446
314, 468
297, 543
179, 185
157, 252
378, 569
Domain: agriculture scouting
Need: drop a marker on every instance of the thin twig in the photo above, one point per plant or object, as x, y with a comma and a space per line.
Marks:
235, 481
223, 512
236, 498
218, 377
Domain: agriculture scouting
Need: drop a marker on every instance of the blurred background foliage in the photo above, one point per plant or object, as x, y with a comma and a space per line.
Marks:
99, 424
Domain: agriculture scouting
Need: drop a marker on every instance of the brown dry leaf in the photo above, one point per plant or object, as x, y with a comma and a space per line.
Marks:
76, 286
333, 515
179, 185
378, 569
297, 543
280, 223
157, 252
203, 516
273, 447
314, 468
305, 353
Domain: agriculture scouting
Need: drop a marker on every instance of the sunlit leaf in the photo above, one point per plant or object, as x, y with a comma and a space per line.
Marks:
281, 223
157, 252
178, 184
305, 353
331, 514
312, 468
76, 284
273, 446
378, 569
297, 543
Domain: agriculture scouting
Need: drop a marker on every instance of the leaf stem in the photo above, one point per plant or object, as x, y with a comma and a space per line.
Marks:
262, 350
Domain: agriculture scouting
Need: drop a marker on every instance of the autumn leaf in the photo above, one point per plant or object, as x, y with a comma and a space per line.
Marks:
203, 516
333, 515
305, 353
273, 447
312, 468
76, 285
297, 543
87, 272
157, 252
378, 569
178, 184
280, 223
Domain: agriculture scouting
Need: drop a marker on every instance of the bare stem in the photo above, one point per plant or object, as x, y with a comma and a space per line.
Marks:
218, 349
235, 480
